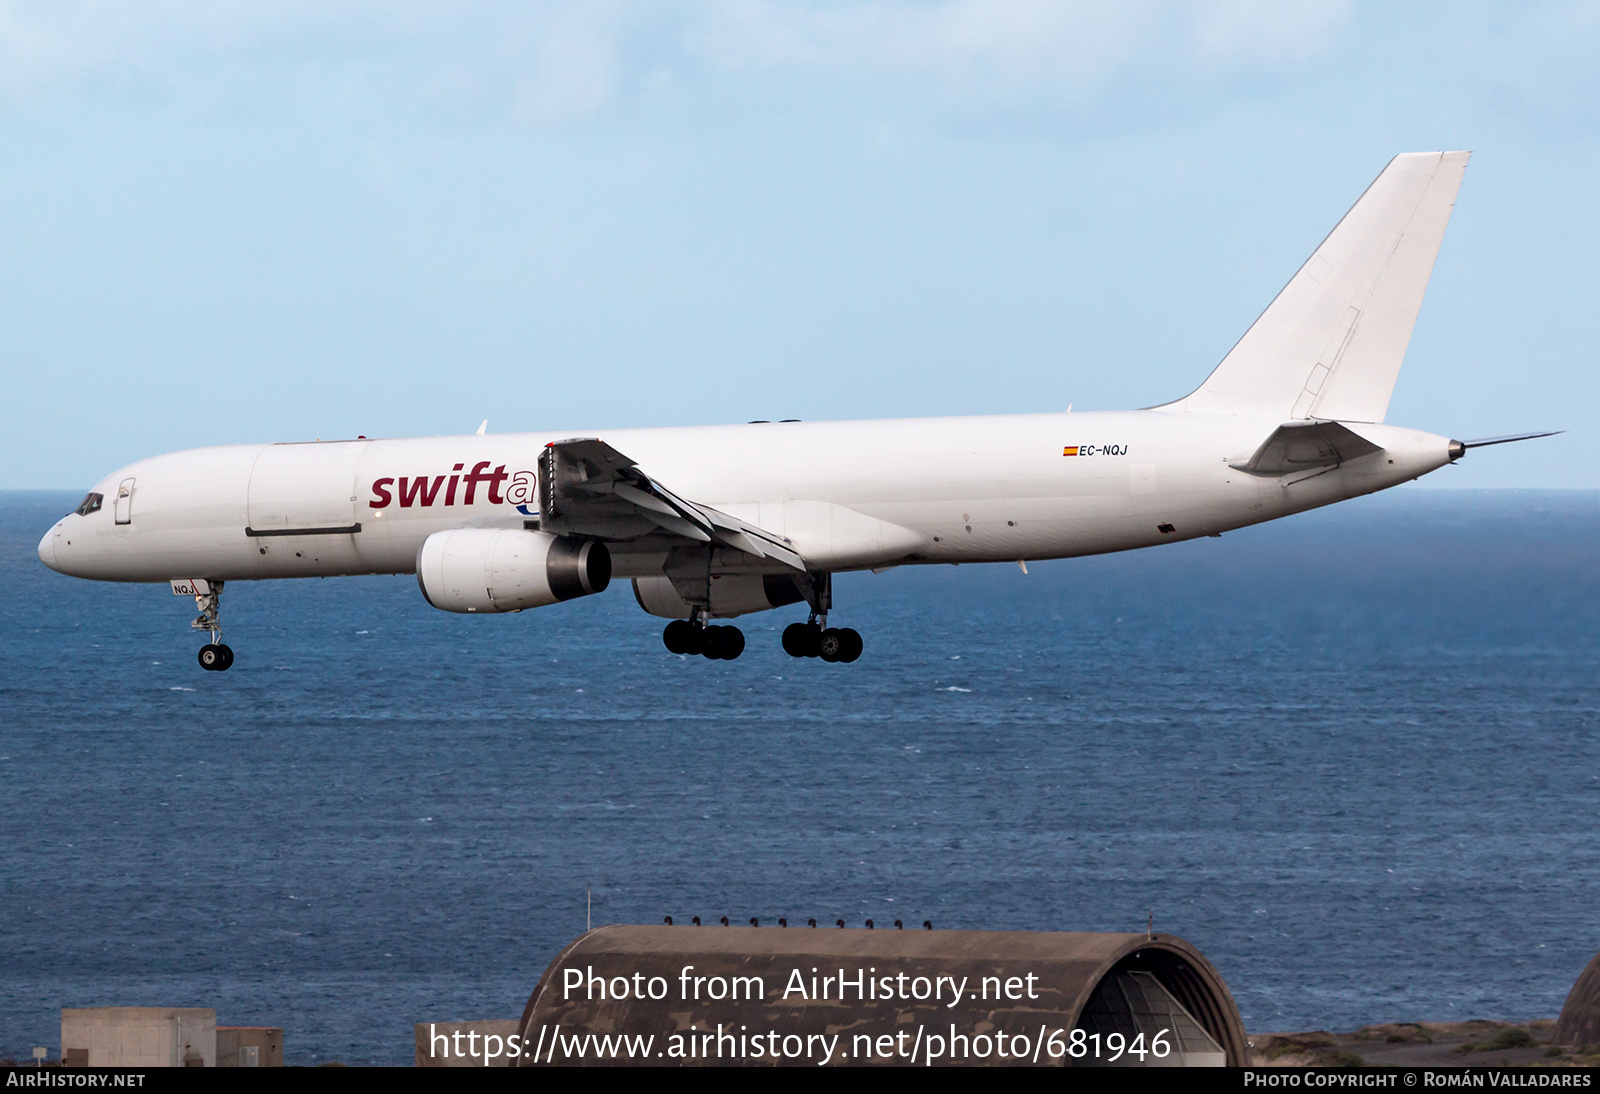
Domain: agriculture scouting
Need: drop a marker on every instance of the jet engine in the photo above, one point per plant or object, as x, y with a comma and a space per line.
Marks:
731, 595
508, 569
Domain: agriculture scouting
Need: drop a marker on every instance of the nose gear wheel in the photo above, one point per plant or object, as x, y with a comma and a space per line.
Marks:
216, 657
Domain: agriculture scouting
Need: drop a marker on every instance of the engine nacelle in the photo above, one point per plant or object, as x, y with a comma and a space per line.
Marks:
508, 569
731, 595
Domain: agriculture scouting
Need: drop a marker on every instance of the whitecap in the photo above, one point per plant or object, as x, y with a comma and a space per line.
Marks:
952, 687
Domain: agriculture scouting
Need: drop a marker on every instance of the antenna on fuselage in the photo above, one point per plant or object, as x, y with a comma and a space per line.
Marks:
484, 428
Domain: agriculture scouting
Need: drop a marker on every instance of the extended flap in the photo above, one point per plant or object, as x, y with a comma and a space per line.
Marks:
586, 487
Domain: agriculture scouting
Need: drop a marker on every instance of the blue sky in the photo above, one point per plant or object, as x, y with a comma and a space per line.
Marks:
227, 222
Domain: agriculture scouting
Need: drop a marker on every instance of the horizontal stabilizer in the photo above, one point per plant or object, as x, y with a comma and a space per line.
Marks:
1330, 345
1485, 442
1306, 446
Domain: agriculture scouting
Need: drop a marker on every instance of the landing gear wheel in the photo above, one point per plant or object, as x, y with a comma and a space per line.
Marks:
850, 645
681, 636
211, 657
227, 658
711, 647
723, 643
800, 639
830, 645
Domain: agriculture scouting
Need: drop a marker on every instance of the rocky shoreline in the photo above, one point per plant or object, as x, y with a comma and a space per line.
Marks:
1424, 1044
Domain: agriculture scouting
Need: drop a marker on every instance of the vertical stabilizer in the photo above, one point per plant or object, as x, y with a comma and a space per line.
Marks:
1331, 344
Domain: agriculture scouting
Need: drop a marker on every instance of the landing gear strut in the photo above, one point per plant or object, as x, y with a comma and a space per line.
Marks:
214, 656
814, 638
692, 636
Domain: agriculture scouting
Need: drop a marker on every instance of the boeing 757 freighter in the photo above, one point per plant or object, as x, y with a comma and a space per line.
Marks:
719, 521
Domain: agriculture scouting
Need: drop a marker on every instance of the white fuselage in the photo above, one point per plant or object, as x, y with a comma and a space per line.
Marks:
848, 495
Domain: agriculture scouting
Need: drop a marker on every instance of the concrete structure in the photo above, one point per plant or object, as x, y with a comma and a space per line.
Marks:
463, 1044
139, 1037
1579, 1023
754, 995
249, 1046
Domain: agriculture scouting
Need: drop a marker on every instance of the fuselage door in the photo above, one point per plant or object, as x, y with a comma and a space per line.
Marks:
305, 487
123, 506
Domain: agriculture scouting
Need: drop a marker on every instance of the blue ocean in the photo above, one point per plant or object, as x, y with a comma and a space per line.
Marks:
1353, 756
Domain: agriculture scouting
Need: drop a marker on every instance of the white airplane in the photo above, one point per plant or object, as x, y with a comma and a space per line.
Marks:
719, 521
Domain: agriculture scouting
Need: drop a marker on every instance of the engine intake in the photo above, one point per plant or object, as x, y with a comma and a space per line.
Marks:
508, 569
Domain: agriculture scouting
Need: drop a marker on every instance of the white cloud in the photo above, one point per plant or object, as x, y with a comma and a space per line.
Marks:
1012, 46
1016, 42
1265, 32
569, 66
571, 59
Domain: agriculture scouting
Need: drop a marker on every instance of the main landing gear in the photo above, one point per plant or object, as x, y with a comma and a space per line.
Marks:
813, 639
693, 636
214, 656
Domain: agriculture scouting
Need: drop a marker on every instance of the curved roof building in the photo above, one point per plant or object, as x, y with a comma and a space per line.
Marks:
769, 995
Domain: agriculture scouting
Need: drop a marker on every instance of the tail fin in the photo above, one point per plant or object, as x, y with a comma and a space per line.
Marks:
1331, 344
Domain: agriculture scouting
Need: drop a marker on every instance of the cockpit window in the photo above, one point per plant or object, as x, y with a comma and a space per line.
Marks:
91, 504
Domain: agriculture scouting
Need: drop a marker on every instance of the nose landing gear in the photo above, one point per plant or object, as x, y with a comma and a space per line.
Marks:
214, 656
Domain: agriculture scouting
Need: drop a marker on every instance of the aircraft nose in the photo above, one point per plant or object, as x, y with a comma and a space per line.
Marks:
47, 548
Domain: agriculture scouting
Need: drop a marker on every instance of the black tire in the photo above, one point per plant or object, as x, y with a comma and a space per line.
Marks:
711, 649
679, 637
227, 658
830, 644
852, 645
210, 657
723, 643
800, 639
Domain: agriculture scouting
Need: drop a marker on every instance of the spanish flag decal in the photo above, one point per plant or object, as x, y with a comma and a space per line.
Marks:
1070, 450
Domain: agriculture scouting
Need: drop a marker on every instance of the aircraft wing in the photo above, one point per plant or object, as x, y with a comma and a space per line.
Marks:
586, 487
1306, 446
